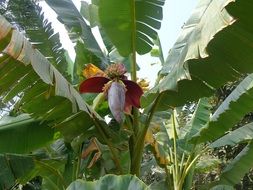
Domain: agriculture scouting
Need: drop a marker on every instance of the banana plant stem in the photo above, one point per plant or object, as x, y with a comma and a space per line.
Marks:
108, 142
187, 174
139, 146
168, 178
78, 162
175, 151
133, 62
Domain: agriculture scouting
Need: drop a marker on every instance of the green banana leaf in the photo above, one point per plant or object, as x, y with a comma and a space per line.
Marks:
123, 182
42, 90
241, 135
90, 13
131, 24
83, 57
214, 47
237, 168
22, 134
13, 167
51, 171
38, 83
48, 163
77, 27
38, 29
53, 166
199, 119
232, 109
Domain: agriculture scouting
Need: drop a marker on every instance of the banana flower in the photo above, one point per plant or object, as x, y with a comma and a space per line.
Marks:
121, 93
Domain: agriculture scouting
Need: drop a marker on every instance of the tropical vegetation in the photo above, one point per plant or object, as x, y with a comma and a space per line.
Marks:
85, 125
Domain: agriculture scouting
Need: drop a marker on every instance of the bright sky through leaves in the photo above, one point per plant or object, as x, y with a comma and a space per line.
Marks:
175, 12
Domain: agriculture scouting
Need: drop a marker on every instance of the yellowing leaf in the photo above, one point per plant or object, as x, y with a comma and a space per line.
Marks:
95, 158
160, 154
92, 71
149, 138
93, 147
144, 84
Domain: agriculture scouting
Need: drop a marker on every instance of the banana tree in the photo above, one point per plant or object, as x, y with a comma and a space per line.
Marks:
216, 39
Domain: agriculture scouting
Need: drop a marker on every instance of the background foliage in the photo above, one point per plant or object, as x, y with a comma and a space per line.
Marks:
194, 125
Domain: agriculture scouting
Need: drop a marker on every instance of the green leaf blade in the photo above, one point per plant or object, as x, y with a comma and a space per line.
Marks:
131, 24
216, 39
26, 134
233, 108
241, 135
127, 182
239, 166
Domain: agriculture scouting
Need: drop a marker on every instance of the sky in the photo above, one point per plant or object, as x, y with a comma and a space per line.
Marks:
175, 14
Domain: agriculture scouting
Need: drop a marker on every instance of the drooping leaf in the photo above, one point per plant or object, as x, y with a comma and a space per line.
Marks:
48, 87
92, 147
232, 109
127, 182
131, 24
215, 41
